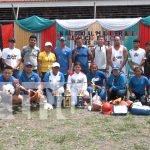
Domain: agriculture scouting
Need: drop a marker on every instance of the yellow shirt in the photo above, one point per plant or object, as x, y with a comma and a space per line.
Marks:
46, 61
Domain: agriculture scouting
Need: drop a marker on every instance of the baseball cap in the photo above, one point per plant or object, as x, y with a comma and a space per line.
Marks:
12, 40
29, 64
56, 64
48, 44
136, 41
62, 39
115, 67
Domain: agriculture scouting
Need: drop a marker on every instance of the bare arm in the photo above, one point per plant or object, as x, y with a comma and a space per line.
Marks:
74, 56
90, 55
125, 56
70, 65
39, 67
4, 62
107, 65
143, 60
93, 54
109, 55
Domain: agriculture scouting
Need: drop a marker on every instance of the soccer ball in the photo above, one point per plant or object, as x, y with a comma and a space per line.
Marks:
8, 89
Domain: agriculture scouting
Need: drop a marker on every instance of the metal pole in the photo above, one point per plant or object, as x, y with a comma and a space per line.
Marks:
94, 9
17, 13
13, 10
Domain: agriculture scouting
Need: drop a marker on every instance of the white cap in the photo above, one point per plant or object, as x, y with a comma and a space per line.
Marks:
56, 64
48, 44
62, 39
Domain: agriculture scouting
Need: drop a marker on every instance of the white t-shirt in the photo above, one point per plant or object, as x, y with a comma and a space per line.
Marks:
136, 56
11, 56
100, 57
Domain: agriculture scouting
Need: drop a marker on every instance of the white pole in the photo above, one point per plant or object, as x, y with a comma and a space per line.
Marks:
94, 9
17, 13
13, 10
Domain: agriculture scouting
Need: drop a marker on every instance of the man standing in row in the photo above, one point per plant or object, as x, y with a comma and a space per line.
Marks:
136, 56
100, 54
117, 55
30, 53
11, 56
81, 54
64, 57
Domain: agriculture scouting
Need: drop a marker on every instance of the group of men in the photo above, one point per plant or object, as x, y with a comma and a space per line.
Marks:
107, 60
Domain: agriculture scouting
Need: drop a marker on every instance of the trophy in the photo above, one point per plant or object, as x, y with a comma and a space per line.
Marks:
80, 99
67, 99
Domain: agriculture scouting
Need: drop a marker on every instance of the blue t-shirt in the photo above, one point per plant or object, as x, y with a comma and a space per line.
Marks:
63, 56
29, 82
82, 57
138, 85
3, 81
52, 81
97, 77
117, 82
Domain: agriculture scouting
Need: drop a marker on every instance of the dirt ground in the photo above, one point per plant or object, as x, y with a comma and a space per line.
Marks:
74, 130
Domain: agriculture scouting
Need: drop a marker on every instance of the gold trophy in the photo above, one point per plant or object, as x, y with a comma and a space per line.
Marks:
67, 99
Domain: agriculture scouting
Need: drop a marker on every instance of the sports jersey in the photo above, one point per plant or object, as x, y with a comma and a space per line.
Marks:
117, 57
54, 82
97, 77
11, 56
3, 81
138, 85
30, 82
63, 55
117, 82
77, 82
82, 57
46, 61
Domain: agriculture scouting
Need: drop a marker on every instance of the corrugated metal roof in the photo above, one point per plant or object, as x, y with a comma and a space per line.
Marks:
33, 0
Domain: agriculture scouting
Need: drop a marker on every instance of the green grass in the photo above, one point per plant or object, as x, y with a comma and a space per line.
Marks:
81, 130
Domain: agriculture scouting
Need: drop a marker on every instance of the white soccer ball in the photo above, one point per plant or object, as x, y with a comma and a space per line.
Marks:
48, 106
8, 89
89, 108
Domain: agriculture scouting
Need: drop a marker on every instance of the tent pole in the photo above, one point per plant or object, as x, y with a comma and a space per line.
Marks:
17, 13
94, 9
13, 10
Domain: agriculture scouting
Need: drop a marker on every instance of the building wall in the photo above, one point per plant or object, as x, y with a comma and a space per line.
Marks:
78, 12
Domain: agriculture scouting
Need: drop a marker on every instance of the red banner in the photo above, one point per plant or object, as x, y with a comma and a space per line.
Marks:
144, 35
48, 35
7, 32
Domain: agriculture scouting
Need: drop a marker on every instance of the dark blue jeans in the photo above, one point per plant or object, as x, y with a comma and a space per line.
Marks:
140, 97
116, 94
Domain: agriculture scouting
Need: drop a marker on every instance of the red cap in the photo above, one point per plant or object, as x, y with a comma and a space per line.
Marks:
107, 108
